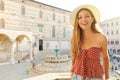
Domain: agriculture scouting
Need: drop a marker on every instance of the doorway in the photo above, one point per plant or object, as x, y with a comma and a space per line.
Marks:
40, 44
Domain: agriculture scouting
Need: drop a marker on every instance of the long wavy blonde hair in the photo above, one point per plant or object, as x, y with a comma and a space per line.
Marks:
78, 37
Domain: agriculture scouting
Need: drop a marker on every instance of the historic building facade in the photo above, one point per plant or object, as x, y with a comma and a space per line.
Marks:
28, 27
111, 28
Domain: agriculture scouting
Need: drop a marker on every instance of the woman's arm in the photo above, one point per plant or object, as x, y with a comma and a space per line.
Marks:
105, 57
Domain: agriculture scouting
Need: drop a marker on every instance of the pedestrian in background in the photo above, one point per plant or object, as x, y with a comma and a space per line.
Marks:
33, 63
27, 69
112, 68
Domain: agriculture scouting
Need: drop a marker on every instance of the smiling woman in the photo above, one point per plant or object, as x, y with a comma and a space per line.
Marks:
87, 45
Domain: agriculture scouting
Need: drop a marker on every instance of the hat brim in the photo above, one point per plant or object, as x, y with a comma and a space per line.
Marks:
92, 8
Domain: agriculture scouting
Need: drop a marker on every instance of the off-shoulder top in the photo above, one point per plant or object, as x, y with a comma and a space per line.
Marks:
87, 63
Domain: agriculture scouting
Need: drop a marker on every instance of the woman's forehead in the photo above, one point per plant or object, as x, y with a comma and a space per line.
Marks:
84, 12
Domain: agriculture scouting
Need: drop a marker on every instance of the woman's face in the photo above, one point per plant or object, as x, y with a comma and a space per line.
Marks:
85, 19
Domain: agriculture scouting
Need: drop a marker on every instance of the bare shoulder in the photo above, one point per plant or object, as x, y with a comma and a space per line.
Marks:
102, 38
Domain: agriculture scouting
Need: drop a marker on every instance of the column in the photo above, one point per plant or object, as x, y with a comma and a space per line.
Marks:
12, 52
31, 49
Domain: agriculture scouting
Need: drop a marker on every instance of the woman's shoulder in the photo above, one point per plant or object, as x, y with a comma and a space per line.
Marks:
102, 37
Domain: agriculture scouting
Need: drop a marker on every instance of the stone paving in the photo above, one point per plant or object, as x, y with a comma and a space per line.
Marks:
18, 71
15, 71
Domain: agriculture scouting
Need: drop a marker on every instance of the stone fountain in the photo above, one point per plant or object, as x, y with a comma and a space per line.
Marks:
54, 63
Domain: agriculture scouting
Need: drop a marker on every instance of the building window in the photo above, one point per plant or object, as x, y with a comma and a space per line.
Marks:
107, 33
22, 0
108, 43
118, 50
114, 51
1, 5
107, 25
23, 10
112, 24
116, 23
64, 19
40, 14
53, 16
40, 27
2, 23
112, 42
112, 32
64, 32
117, 42
117, 32
53, 31
47, 44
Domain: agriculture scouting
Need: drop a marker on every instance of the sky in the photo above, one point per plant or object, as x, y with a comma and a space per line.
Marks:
108, 8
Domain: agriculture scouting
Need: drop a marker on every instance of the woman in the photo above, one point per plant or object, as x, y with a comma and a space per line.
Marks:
88, 44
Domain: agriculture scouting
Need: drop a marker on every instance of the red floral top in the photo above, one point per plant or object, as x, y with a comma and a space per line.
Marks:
87, 63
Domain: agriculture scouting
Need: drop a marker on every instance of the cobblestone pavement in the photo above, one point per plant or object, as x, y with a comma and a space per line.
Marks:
15, 71
18, 71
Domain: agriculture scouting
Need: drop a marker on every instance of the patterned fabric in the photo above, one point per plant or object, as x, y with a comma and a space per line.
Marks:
78, 77
87, 63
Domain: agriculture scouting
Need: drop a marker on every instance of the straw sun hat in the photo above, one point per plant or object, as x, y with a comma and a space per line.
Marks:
92, 8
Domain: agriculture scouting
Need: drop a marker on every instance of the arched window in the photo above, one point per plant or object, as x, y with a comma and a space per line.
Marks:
116, 23
40, 27
2, 23
116, 31
53, 31
53, 16
64, 32
40, 14
1, 5
64, 19
23, 10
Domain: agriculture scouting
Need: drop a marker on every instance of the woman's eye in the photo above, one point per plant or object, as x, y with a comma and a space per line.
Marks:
87, 16
79, 17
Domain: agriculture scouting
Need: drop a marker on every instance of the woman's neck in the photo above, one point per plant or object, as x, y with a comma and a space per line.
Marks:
87, 33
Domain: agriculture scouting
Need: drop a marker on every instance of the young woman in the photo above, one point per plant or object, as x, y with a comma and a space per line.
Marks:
88, 44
